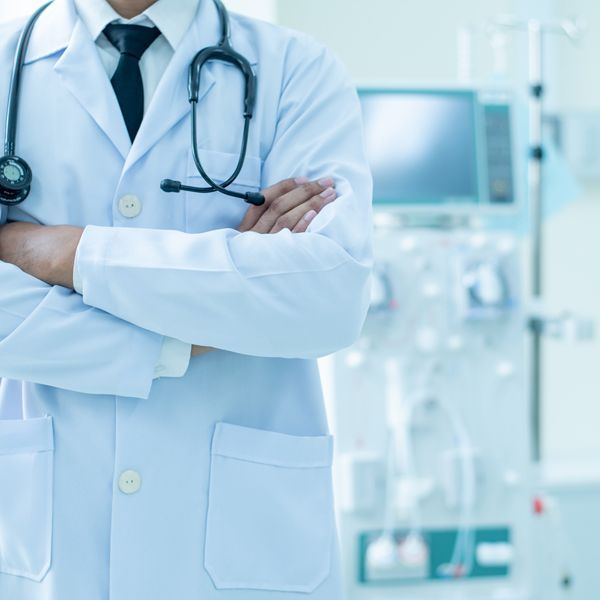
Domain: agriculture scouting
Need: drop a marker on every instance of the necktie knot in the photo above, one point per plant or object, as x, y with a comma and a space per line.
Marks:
132, 40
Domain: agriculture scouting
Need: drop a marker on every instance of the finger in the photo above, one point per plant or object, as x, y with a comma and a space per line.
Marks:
283, 205
294, 216
282, 188
305, 221
277, 190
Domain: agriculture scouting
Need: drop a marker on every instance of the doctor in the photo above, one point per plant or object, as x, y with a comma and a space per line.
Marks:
162, 430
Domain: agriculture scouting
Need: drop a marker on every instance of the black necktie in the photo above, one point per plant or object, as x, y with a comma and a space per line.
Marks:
131, 41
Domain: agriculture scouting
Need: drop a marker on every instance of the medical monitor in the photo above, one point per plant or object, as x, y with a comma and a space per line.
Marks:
438, 150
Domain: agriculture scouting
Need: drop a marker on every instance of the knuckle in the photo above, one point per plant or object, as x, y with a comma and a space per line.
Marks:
283, 222
260, 223
310, 189
301, 225
276, 205
288, 185
315, 203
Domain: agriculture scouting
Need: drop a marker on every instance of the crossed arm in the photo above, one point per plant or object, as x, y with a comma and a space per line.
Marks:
296, 293
49, 253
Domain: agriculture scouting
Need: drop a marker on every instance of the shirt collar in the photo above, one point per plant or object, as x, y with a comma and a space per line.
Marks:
172, 17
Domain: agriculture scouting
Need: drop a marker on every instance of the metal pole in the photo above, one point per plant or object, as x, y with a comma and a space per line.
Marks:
536, 200
536, 30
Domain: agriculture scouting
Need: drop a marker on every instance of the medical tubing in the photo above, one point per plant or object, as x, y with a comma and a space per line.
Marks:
464, 546
390, 476
468, 496
15, 83
462, 554
465, 543
416, 525
214, 185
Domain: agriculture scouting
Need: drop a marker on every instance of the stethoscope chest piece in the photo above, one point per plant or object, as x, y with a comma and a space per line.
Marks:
15, 180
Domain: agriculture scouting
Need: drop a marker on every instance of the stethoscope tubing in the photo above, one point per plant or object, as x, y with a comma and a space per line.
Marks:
223, 52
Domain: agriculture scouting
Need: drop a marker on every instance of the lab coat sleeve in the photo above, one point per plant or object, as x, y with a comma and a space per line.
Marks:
49, 336
284, 295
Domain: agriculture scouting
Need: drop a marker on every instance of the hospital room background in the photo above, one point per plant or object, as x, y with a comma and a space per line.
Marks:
467, 416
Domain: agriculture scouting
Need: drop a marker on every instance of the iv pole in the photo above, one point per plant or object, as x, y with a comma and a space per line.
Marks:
536, 32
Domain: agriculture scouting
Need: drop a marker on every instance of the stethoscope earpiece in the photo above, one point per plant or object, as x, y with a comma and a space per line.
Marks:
15, 180
170, 186
222, 52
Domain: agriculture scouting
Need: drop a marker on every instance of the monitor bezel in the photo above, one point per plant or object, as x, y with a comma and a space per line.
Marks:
480, 98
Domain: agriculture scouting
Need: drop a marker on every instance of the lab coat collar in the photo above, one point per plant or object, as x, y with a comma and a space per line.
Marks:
170, 102
52, 31
82, 73
172, 17
60, 29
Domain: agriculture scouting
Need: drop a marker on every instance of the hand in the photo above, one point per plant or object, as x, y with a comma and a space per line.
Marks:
46, 253
290, 204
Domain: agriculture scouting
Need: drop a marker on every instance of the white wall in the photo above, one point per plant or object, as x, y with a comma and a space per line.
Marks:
390, 39
259, 9
573, 382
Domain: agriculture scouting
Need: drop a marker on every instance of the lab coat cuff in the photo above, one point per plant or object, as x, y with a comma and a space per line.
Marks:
145, 347
92, 252
174, 359
77, 284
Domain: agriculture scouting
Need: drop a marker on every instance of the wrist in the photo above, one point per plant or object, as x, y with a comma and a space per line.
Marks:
64, 257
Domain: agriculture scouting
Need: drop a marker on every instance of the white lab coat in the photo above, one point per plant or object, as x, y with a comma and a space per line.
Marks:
234, 458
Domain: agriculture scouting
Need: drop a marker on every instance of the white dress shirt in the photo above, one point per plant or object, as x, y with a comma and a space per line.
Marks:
173, 18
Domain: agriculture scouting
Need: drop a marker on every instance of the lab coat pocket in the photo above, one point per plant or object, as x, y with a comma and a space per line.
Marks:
206, 212
26, 474
270, 522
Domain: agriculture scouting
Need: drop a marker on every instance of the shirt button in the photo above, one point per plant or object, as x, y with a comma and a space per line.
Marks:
130, 206
130, 482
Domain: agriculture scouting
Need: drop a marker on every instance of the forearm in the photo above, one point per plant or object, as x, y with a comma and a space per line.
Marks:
48, 258
280, 295
49, 336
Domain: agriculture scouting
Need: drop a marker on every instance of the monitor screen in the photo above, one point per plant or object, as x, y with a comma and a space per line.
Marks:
422, 146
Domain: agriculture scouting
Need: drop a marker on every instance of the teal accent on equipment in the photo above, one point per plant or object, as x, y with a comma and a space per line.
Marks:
440, 547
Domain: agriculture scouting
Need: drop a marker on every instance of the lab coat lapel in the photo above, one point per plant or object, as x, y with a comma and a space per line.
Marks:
52, 31
81, 71
170, 102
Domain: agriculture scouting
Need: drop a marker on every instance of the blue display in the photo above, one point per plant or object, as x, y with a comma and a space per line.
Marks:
422, 146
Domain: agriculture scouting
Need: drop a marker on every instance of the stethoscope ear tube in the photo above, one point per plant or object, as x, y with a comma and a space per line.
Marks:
15, 173
222, 52
226, 54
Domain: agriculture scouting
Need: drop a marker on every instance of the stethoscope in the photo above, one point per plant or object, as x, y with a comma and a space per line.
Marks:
16, 175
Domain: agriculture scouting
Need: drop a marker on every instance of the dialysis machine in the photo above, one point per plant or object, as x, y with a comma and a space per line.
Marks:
430, 406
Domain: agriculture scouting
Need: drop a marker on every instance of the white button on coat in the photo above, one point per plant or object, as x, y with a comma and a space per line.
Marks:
130, 482
130, 206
